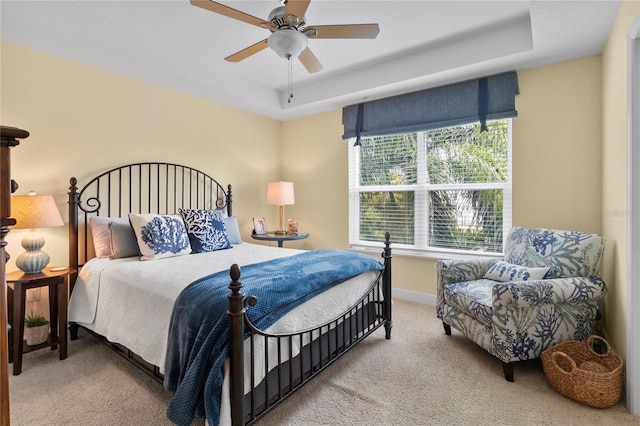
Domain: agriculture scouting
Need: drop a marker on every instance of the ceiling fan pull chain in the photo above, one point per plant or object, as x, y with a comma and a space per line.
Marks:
290, 79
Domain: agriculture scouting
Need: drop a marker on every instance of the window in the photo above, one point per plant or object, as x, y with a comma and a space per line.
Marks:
446, 189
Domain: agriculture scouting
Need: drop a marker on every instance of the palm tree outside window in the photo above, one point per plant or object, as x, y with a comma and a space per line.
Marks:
446, 189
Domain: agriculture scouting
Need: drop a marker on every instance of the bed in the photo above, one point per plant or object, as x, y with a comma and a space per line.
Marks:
284, 315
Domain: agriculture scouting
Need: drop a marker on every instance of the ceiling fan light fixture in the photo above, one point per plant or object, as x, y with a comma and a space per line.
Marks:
287, 43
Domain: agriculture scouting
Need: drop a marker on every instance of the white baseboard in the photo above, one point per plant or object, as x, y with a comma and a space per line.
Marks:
414, 296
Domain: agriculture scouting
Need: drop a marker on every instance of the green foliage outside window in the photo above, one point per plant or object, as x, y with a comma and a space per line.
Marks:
459, 161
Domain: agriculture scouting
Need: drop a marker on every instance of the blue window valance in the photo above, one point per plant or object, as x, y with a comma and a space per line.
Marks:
487, 98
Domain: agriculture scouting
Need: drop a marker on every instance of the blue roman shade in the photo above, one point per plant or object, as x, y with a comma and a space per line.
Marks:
487, 98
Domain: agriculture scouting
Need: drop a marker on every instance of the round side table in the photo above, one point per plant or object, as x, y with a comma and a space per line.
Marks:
280, 238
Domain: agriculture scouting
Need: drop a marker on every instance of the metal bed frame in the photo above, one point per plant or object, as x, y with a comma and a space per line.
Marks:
155, 187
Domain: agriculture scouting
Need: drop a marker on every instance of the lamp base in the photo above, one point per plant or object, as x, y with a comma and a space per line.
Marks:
281, 229
34, 260
31, 262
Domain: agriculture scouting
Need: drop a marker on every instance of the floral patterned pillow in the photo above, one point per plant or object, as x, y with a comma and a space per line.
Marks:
160, 236
206, 230
504, 271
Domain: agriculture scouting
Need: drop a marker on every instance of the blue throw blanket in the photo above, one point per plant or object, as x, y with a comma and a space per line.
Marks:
198, 334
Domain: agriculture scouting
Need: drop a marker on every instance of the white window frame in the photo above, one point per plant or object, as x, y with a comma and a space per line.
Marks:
421, 208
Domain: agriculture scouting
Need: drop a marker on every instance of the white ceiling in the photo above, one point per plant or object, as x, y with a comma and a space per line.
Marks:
421, 44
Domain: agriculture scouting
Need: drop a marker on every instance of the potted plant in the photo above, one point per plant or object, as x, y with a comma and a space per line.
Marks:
36, 328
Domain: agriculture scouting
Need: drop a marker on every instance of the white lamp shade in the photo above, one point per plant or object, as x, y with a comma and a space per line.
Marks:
280, 193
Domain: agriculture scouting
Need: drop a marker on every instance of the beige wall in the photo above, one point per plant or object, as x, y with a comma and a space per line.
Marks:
557, 169
83, 120
315, 159
614, 180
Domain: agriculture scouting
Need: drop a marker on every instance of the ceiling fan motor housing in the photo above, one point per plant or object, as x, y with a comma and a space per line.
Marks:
276, 17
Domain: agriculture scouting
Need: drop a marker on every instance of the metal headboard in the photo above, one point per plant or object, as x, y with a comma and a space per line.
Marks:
139, 188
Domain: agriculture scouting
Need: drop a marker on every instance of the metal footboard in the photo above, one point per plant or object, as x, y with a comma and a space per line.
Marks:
299, 356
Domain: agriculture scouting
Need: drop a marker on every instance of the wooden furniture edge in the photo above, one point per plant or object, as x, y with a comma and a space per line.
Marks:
8, 138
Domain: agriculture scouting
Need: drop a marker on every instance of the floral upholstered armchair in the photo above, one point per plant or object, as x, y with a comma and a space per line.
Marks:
543, 292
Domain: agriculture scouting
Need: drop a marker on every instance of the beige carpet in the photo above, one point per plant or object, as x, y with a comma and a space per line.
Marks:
419, 377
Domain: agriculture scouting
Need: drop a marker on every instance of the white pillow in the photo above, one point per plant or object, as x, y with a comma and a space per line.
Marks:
504, 271
160, 236
101, 235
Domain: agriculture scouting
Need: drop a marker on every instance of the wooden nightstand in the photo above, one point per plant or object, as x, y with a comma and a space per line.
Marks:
56, 281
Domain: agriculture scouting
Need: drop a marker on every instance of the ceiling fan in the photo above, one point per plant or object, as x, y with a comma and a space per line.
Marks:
289, 31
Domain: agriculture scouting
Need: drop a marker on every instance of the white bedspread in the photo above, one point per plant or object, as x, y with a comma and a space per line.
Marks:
130, 301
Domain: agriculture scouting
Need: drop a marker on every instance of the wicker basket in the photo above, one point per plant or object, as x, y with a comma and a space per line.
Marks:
578, 372
36, 335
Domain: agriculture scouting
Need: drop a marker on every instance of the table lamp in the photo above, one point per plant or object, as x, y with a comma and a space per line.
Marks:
279, 194
30, 212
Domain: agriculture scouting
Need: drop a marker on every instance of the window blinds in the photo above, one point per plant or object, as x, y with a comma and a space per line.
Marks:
487, 98
446, 189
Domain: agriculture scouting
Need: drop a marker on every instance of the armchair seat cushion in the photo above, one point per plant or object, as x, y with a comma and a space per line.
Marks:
472, 297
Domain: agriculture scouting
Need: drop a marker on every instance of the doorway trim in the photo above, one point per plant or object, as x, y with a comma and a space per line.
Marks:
633, 219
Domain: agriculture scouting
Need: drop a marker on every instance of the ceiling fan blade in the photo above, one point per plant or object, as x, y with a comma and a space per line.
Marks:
296, 8
231, 12
245, 53
343, 31
309, 60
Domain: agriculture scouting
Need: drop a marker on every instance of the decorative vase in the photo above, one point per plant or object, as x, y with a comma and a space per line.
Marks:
36, 335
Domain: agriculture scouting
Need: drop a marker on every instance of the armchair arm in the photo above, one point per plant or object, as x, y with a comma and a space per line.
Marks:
459, 270
569, 290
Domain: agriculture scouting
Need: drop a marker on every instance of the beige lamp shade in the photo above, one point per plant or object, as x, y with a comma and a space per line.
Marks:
280, 193
35, 211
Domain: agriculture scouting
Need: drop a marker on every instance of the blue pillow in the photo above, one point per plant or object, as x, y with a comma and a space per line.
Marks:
123, 240
233, 232
504, 271
206, 230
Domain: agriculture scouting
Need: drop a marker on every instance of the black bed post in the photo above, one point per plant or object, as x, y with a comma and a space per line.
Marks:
386, 306
73, 244
229, 201
73, 230
236, 346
